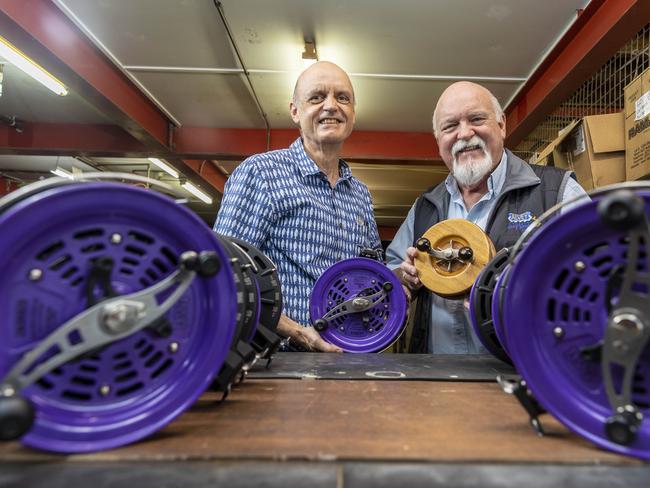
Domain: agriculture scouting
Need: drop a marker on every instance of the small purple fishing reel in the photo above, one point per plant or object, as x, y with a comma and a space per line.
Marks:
358, 304
118, 311
480, 305
576, 317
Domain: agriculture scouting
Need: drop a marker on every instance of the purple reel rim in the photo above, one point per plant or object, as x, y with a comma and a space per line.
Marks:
70, 425
370, 269
544, 281
497, 311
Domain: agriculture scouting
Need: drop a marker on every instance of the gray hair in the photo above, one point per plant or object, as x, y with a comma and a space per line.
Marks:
496, 106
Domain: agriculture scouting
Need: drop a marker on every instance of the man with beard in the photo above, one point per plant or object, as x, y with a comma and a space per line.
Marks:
302, 206
487, 185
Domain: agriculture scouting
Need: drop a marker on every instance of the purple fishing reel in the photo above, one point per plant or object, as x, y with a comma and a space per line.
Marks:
480, 305
576, 316
117, 313
358, 304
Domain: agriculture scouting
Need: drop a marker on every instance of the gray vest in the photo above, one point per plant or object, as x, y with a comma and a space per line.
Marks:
528, 192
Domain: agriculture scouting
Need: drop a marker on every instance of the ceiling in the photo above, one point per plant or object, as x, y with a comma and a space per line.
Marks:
180, 59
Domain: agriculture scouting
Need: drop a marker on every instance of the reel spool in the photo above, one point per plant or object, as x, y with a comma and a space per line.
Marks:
480, 305
110, 327
259, 306
265, 341
358, 304
451, 255
576, 315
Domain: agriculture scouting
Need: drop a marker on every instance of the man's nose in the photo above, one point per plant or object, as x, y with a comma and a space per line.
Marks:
330, 103
465, 131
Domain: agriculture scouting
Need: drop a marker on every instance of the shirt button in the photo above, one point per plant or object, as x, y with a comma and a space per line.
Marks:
340, 225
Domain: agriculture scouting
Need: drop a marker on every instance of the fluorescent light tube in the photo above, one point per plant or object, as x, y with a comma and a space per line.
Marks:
165, 167
22, 62
197, 193
62, 173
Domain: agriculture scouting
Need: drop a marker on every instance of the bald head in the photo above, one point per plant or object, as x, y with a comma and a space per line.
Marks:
321, 70
459, 91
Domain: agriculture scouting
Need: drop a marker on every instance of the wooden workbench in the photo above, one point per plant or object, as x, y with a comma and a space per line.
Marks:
432, 420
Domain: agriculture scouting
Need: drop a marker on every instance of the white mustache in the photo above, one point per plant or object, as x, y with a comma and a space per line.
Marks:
474, 141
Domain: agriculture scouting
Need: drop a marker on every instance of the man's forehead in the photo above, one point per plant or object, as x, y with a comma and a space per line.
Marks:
456, 106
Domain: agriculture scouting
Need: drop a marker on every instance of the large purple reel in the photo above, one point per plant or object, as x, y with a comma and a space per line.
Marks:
124, 391
555, 313
359, 277
480, 305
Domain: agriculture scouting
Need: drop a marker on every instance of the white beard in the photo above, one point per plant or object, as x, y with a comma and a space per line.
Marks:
473, 171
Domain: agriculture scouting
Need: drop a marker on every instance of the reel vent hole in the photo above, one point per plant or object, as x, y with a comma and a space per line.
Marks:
160, 265
153, 359
171, 257
152, 274
559, 281
83, 381
573, 285
92, 248
120, 355
89, 368
58, 263
138, 251
550, 310
139, 236
131, 261
564, 312
166, 365
126, 377
49, 251
126, 271
602, 261
76, 395
45, 384
122, 365
583, 292
87, 234
601, 246
70, 272
130, 389
146, 351
144, 282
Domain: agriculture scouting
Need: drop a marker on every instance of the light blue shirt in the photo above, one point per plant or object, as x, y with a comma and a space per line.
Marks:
452, 332
282, 203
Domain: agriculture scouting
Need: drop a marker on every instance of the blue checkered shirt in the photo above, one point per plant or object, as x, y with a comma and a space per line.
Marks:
282, 203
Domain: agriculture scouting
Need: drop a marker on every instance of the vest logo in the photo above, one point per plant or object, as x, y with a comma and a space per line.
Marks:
520, 221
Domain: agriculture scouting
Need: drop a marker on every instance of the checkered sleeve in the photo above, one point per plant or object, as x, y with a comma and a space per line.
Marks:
246, 210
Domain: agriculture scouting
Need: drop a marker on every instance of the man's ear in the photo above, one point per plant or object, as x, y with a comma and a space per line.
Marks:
293, 110
502, 125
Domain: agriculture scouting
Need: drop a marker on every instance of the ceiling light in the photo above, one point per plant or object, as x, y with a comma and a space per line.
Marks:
22, 62
62, 173
197, 193
309, 55
165, 167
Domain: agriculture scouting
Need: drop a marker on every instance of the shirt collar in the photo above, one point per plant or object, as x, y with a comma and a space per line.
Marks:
495, 181
307, 166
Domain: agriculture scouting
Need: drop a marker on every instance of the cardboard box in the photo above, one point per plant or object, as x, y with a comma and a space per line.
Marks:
592, 147
637, 127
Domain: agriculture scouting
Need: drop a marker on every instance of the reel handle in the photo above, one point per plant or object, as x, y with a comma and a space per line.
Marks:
16, 415
622, 210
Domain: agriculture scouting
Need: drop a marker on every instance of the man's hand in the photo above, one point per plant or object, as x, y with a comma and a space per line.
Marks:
407, 272
307, 337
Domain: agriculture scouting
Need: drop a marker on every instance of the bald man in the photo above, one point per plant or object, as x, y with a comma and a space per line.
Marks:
301, 206
487, 185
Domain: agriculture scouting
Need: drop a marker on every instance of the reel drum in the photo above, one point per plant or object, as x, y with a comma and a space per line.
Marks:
68, 248
358, 304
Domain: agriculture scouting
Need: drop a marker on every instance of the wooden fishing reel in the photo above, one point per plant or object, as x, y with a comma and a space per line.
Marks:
451, 254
